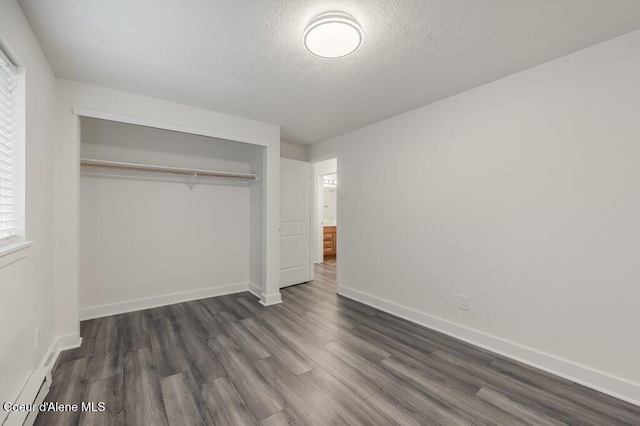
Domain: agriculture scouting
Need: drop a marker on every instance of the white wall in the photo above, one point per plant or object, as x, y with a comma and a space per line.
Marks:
271, 225
521, 194
293, 152
256, 233
26, 284
72, 94
145, 242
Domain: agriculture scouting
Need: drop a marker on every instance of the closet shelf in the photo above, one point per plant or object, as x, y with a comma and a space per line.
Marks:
86, 162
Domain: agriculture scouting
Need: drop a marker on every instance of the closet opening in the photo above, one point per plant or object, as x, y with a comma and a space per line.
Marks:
166, 217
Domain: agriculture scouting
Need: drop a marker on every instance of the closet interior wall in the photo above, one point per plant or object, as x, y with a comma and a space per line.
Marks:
149, 240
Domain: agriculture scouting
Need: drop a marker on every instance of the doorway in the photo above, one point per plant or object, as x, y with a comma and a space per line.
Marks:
325, 212
329, 218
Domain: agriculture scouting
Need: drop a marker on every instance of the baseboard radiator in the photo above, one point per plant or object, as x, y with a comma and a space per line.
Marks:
32, 394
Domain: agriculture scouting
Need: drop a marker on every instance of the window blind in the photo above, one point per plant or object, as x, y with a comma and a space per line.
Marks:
8, 202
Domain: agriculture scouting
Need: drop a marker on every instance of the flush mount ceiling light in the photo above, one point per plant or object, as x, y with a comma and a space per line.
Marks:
332, 35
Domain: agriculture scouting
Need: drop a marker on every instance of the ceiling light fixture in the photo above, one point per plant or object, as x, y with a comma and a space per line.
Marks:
333, 35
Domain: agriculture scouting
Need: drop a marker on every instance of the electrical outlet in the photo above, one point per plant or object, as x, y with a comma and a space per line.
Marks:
464, 303
37, 337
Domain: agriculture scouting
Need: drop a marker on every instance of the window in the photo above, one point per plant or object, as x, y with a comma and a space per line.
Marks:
9, 203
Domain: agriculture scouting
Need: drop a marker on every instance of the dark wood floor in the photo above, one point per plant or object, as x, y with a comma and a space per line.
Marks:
315, 359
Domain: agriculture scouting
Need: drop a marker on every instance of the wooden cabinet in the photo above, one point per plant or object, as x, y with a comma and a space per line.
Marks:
330, 241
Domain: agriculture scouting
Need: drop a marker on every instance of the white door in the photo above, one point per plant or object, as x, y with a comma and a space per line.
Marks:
295, 260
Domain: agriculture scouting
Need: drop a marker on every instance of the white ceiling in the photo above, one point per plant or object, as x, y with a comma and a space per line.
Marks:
246, 58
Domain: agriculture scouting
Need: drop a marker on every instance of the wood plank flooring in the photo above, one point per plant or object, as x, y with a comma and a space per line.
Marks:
330, 261
318, 358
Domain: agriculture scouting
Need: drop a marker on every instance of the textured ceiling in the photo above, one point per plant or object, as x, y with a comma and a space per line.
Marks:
246, 58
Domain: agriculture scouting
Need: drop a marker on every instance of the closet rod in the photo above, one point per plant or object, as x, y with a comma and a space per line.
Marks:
162, 169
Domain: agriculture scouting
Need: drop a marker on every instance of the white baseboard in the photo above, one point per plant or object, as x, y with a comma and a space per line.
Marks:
255, 290
51, 356
155, 301
70, 341
61, 343
593, 379
270, 299
265, 300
